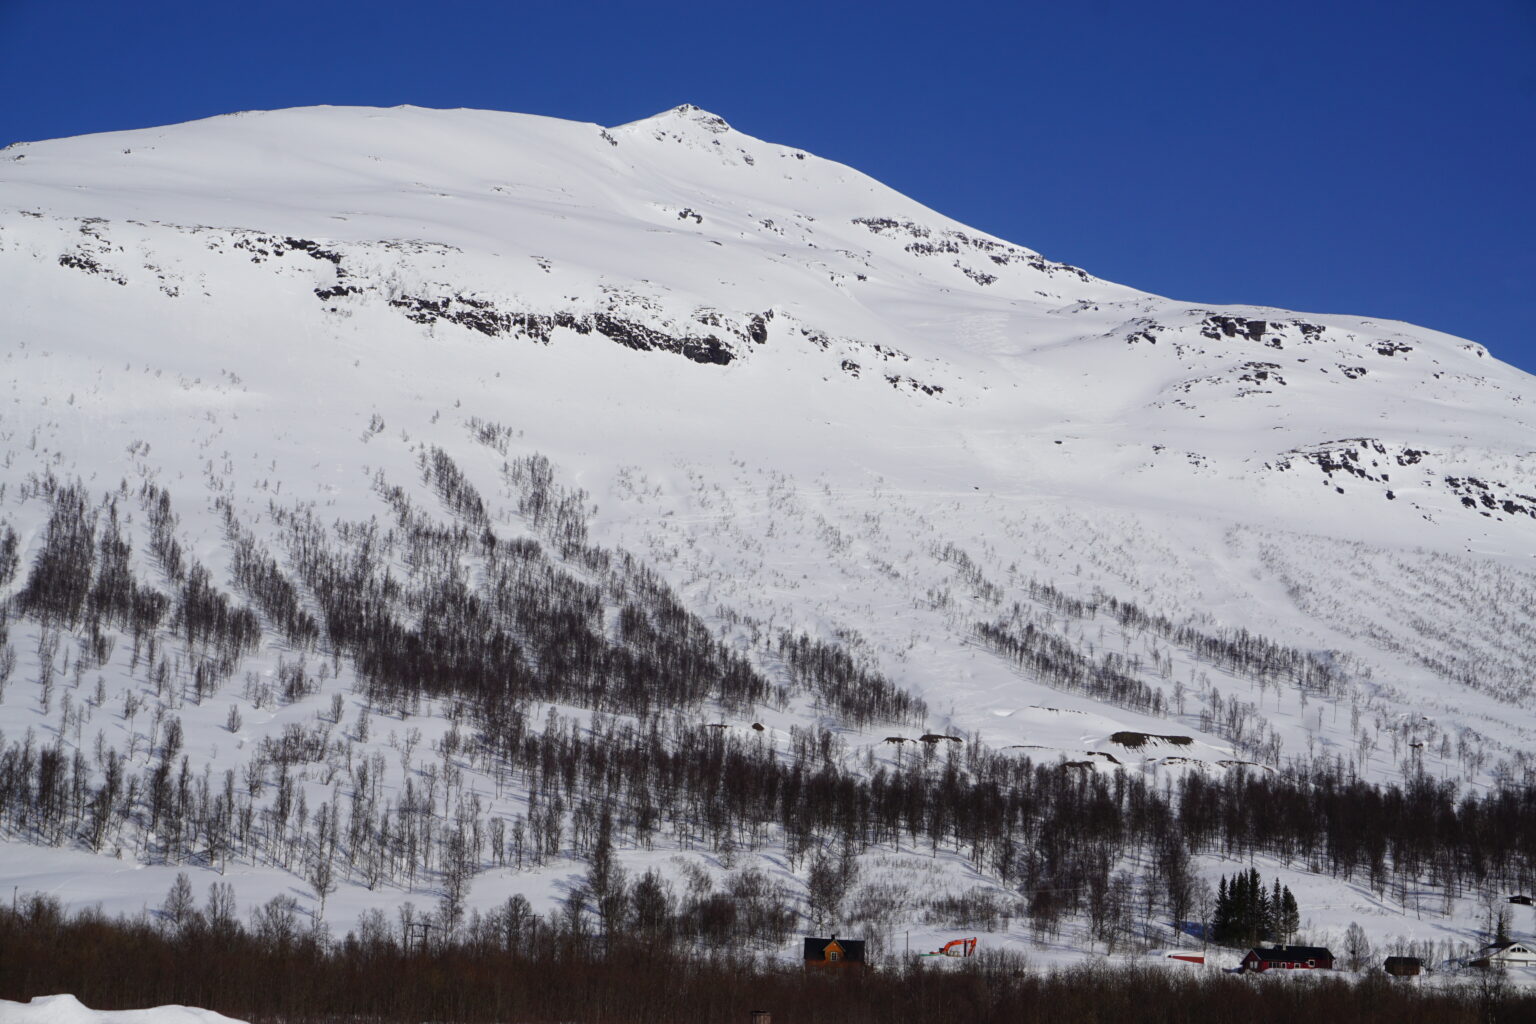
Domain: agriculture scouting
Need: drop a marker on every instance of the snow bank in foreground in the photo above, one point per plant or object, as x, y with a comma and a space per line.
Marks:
69, 1010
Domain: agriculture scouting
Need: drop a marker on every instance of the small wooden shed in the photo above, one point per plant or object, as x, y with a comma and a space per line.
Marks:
1403, 966
834, 953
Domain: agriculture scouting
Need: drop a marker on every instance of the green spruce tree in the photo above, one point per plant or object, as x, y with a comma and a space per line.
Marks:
1289, 915
1221, 914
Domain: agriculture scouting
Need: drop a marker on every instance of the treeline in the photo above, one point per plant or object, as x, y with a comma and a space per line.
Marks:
269, 973
484, 624
1055, 835
259, 576
1057, 662
858, 694
84, 583
1234, 650
487, 625
1050, 656
473, 615
486, 618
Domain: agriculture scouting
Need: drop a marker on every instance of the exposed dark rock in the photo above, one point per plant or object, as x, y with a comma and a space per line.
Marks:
955, 242
474, 314
1482, 496
313, 249
83, 262
977, 276
1137, 740
897, 381
1219, 325
337, 292
1362, 458
1261, 373
264, 247
641, 338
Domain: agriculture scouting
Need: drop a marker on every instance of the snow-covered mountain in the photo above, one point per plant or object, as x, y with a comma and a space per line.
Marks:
1072, 519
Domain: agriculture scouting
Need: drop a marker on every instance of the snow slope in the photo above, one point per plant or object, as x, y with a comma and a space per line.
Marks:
808, 401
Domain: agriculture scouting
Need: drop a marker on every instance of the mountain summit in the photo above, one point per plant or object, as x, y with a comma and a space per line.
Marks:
685, 113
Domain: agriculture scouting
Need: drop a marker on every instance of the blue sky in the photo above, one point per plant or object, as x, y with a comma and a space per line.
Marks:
1351, 156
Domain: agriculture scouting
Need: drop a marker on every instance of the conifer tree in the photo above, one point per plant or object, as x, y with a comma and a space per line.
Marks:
1221, 918
1246, 913
1288, 918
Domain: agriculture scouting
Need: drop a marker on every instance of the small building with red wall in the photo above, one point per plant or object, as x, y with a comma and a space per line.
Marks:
1288, 958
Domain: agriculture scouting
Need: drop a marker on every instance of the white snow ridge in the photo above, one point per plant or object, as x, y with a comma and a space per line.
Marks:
328, 432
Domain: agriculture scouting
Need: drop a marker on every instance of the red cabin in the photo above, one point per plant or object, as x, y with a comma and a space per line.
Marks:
1288, 958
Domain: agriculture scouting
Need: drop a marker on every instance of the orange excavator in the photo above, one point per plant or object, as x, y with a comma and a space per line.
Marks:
955, 947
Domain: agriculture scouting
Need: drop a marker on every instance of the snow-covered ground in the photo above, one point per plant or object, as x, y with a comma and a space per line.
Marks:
810, 403
66, 1009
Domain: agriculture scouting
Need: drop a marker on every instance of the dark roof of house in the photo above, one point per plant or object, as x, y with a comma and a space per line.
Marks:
1292, 953
815, 949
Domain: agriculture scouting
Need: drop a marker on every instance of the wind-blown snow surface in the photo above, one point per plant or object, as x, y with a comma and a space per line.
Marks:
808, 401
